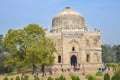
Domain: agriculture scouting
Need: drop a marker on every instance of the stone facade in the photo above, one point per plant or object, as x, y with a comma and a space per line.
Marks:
75, 45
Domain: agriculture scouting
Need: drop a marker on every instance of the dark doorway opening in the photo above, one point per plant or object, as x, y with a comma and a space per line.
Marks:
73, 60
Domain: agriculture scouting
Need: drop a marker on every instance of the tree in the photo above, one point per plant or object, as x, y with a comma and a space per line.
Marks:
116, 75
90, 78
106, 76
50, 78
3, 68
74, 77
2, 48
118, 53
3, 57
114, 78
108, 53
61, 78
29, 46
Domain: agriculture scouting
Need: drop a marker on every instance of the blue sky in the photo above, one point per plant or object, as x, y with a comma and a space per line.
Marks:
100, 14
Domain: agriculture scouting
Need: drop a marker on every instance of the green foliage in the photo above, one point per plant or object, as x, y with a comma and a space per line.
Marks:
108, 65
2, 47
91, 77
5, 78
116, 75
17, 78
118, 53
114, 78
108, 53
112, 65
106, 76
11, 79
50, 78
37, 78
115, 65
26, 77
3, 68
3, 57
13, 72
61, 78
74, 77
29, 46
88, 75
99, 73
77, 78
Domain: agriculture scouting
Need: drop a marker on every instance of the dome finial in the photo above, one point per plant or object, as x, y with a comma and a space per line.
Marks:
68, 8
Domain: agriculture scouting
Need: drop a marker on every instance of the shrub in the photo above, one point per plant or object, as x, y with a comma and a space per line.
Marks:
77, 78
106, 76
114, 78
11, 79
111, 65
88, 75
25, 77
74, 77
61, 78
99, 73
13, 73
116, 75
49, 78
37, 78
17, 78
108, 65
91, 77
5, 78
115, 65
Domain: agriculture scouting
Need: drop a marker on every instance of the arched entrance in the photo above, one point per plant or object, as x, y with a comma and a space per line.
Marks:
73, 60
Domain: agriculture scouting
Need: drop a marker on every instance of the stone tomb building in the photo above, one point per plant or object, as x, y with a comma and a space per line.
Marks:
75, 45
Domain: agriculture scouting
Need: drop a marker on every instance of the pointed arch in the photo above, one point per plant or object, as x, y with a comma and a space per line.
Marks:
73, 60
73, 40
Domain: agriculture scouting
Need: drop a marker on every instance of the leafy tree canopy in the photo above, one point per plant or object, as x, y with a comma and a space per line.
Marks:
118, 53
29, 46
2, 48
108, 53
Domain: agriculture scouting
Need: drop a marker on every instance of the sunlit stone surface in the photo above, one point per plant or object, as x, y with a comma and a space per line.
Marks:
75, 45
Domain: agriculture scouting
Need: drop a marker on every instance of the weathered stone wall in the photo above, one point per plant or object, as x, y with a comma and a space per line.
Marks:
73, 40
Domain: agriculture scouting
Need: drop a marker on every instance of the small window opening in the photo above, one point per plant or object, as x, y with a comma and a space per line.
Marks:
87, 58
59, 59
73, 48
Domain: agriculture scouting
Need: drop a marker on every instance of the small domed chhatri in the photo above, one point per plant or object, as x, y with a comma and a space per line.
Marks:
76, 46
68, 19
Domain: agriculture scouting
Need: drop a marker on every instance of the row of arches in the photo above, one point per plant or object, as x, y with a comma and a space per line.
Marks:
73, 59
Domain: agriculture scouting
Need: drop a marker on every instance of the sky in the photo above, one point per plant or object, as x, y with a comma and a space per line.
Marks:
101, 14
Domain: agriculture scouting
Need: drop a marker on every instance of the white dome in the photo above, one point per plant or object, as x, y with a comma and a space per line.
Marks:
68, 19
